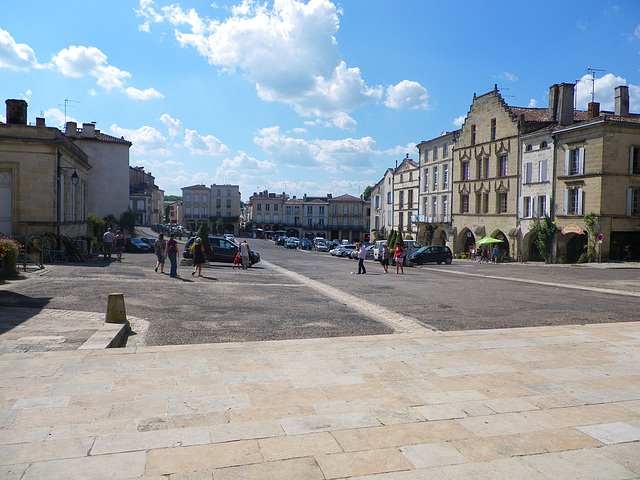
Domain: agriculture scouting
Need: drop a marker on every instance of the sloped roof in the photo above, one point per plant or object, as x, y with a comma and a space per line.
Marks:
346, 198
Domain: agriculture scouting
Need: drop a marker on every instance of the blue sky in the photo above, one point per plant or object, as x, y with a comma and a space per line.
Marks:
309, 96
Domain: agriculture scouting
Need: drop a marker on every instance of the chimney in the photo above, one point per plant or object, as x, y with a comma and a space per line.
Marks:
71, 129
622, 101
594, 109
40, 122
553, 102
88, 130
16, 112
564, 110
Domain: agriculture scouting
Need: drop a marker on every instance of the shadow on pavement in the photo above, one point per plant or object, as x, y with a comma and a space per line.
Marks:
13, 300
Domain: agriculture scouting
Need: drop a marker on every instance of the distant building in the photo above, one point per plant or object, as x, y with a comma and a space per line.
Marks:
145, 198
218, 206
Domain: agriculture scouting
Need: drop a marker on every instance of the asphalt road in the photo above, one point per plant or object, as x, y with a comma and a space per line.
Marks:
302, 294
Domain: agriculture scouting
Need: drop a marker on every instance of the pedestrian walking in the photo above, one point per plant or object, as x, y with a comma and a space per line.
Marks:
197, 251
160, 248
384, 257
107, 244
245, 253
119, 244
172, 253
496, 254
399, 256
485, 255
362, 254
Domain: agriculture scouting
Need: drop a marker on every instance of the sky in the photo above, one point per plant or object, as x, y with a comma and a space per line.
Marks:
310, 96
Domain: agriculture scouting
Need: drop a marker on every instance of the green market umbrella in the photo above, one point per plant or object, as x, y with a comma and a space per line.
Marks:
488, 240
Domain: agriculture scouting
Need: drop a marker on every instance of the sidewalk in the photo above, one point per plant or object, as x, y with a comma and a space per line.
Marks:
545, 402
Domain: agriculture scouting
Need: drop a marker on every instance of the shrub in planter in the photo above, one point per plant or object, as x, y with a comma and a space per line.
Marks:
8, 256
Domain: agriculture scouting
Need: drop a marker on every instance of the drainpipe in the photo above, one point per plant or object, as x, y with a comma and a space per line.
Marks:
57, 176
552, 200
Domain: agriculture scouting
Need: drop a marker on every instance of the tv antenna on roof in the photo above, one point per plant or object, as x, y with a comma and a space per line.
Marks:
66, 104
593, 71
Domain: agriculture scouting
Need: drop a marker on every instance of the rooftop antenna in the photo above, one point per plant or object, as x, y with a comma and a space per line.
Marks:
593, 71
66, 104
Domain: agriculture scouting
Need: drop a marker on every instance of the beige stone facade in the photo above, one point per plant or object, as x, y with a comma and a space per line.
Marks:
406, 204
38, 169
382, 206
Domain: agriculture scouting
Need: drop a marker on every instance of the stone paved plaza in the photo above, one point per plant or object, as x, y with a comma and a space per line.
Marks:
544, 402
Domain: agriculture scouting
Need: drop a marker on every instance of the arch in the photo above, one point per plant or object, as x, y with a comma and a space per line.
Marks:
530, 251
463, 242
504, 246
439, 237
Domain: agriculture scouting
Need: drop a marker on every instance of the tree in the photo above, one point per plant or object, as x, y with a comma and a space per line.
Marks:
367, 193
546, 231
172, 198
429, 230
204, 235
128, 221
591, 222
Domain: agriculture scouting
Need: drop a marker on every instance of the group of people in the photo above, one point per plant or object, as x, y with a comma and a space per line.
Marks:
167, 249
385, 255
485, 255
111, 240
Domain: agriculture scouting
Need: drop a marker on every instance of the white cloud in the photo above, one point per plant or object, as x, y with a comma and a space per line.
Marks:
344, 121
145, 140
55, 118
15, 56
3, 119
604, 92
174, 126
510, 77
159, 165
148, 94
207, 145
333, 155
458, 122
78, 61
407, 95
27, 95
287, 50
243, 164
533, 103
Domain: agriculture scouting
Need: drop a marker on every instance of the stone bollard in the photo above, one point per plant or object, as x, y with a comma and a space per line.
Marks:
116, 312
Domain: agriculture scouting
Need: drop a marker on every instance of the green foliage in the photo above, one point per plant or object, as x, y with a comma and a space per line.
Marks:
429, 230
367, 193
591, 222
203, 233
128, 221
172, 198
399, 239
546, 231
391, 239
8, 256
97, 224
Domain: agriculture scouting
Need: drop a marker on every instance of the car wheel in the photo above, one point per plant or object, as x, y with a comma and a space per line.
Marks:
448, 261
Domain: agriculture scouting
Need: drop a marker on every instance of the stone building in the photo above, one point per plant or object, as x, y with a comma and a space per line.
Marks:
108, 182
382, 205
436, 188
486, 172
146, 200
218, 206
349, 218
43, 178
196, 204
406, 188
265, 211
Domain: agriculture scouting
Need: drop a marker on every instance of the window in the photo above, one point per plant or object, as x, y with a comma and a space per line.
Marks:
526, 175
633, 201
410, 199
309, 222
187, 211
258, 217
473, 134
218, 192
376, 204
543, 144
389, 199
228, 192
445, 176
229, 205
465, 171
376, 223
345, 209
485, 203
634, 161
574, 162
464, 203
321, 210
345, 222
426, 179
529, 148
355, 223
435, 178
204, 212
493, 129
445, 150
389, 218
502, 203
258, 207
445, 208
267, 218
275, 207
434, 207
478, 203
435, 153
309, 210
573, 201
400, 221
275, 218
503, 166
542, 206
542, 171
526, 207
401, 199
204, 199
219, 204
267, 206
188, 198
356, 210
335, 209
195, 198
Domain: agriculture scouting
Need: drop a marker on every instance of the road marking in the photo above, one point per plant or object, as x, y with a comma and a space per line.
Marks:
538, 282
400, 323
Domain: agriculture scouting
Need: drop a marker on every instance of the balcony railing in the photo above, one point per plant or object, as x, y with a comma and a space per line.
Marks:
438, 218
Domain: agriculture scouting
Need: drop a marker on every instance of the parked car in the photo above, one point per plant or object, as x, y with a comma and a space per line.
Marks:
305, 244
136, 245
434, 253
281, 240
377, 248
230, 237
222, 251
321, 247
344, 250
149, 241
292, 242
369, 255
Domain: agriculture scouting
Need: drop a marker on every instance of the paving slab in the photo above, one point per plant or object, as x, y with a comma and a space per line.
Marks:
544, 402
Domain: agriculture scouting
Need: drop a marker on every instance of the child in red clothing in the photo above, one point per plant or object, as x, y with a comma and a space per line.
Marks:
236, 261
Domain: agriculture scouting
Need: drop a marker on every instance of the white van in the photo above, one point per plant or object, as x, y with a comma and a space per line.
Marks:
377, 248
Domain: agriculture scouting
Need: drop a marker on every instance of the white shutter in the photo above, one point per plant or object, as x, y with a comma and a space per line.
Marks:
629, 199
547, 206
580, 201
543, 171
581, 161
528, 170
567, 154
566, 202
520, 201
534, 206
